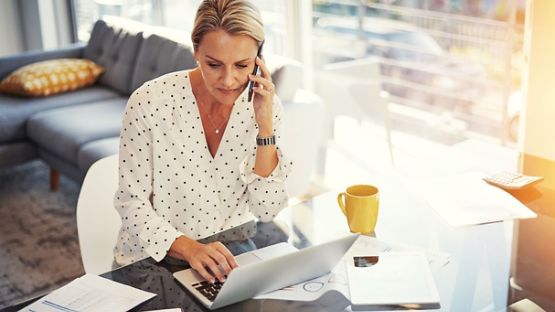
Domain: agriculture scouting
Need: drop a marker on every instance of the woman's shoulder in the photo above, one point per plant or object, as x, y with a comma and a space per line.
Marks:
165, 81
161, 88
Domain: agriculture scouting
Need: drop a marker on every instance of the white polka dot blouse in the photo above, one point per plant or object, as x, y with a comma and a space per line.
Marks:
169, 183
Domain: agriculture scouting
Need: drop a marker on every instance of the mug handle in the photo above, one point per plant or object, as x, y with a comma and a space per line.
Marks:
340, 199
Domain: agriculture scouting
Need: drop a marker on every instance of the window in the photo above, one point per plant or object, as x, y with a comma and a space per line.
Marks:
177, 14
449, 70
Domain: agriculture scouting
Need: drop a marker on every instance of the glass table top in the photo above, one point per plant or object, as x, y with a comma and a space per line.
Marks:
479, 268
487, 267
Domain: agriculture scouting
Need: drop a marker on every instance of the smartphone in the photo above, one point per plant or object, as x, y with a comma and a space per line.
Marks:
254, 72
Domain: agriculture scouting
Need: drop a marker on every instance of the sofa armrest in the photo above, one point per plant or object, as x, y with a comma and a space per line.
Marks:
302, 134
10, 63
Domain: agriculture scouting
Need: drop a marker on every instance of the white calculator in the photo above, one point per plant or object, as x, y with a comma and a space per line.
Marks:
511, 180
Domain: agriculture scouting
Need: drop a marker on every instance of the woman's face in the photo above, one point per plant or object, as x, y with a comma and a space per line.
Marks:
225, 62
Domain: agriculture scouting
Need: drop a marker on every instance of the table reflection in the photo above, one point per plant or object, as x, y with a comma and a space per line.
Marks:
157, 277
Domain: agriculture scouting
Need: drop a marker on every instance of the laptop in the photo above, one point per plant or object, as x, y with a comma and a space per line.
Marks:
256, 276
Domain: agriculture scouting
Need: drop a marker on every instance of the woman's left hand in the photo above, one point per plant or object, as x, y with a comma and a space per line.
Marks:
263, 100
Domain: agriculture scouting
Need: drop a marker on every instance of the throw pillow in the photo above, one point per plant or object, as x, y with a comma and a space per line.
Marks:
51, 77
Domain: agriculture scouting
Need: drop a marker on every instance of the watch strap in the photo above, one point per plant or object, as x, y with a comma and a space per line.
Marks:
271, 140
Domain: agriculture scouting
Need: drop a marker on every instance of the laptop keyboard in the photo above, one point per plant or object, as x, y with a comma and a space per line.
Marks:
210, 291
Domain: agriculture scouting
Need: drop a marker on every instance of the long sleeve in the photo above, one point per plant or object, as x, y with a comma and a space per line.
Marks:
268, 195
133, 197
169, 182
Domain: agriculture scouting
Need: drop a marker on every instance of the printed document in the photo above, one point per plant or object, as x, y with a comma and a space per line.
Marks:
91, 293
392, 278
466, 199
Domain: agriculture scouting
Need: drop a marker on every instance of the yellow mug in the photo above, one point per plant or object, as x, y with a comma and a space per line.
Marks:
360, 205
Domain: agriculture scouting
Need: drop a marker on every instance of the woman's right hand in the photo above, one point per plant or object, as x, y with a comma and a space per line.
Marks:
214, 256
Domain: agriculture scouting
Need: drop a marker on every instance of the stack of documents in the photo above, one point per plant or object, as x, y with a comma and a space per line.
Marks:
91, 293
466, 199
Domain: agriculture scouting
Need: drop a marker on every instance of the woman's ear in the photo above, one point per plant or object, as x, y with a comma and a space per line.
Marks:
195, 56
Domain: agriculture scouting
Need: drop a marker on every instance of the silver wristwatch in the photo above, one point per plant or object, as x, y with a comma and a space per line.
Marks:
271, 140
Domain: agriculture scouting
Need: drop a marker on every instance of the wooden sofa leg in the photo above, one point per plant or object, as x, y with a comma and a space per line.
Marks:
54, 180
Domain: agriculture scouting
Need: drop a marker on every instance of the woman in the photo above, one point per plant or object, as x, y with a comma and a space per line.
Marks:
196, 157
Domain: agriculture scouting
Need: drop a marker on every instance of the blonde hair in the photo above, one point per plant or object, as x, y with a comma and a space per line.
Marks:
237, 17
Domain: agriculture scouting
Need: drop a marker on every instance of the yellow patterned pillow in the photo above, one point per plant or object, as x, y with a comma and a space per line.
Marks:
51, 77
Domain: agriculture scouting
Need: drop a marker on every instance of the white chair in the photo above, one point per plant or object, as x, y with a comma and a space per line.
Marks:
98, 222
303, 124
353, 88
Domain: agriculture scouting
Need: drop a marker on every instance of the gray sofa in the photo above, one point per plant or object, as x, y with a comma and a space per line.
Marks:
71, 131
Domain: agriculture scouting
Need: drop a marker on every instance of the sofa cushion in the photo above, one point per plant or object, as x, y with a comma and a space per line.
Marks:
16, 152
116, 50
51, 77
159, 56
15, 110
10, 63
91, 152
62, 131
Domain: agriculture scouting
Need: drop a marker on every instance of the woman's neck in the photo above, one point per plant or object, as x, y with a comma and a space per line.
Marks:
209, 102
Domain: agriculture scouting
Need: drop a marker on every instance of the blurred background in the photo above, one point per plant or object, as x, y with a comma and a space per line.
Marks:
447, 70
451, 67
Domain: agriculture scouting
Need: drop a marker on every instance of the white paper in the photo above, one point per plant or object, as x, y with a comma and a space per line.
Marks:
337, 279
91, 293
396, 278
466, 199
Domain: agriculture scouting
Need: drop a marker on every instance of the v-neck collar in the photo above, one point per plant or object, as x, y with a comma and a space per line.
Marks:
242, 99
